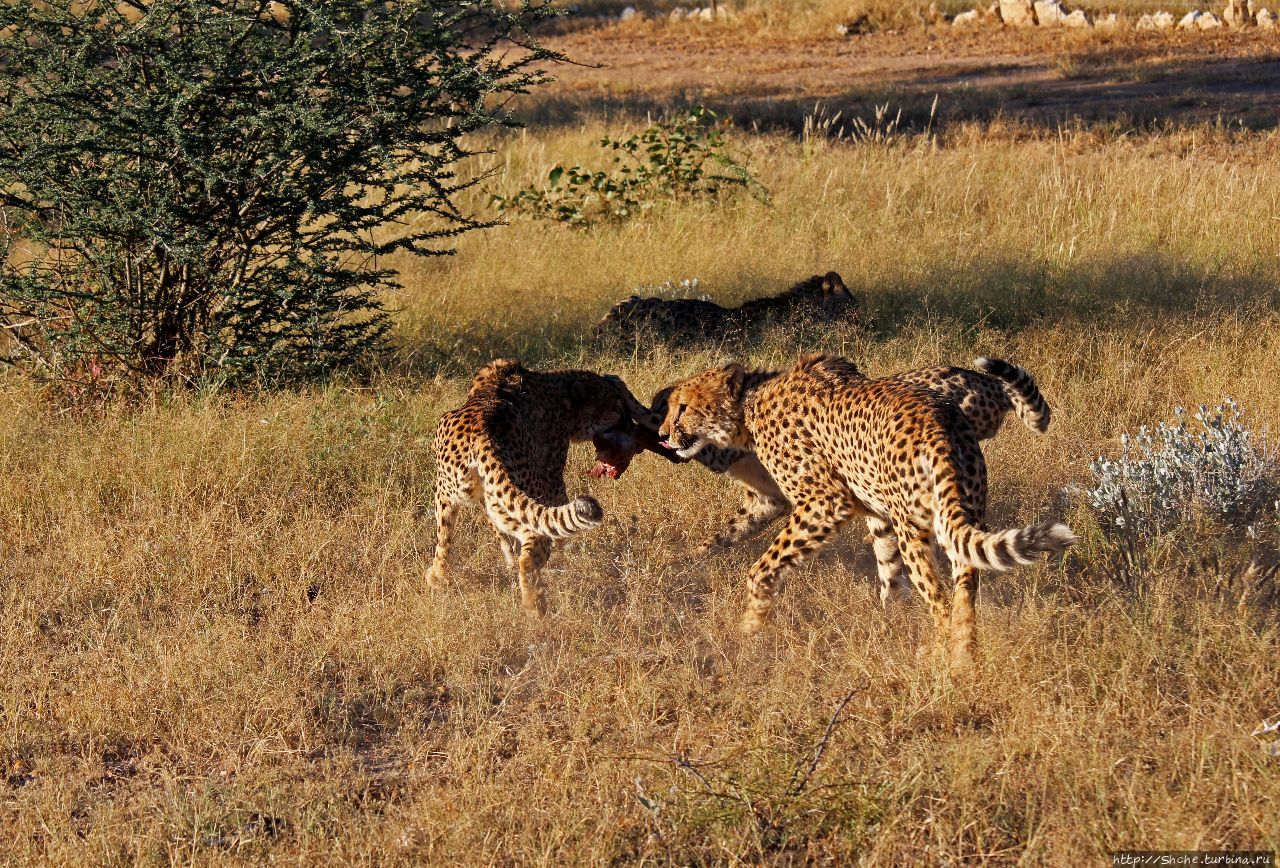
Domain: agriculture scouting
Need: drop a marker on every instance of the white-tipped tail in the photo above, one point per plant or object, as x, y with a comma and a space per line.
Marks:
1003, 550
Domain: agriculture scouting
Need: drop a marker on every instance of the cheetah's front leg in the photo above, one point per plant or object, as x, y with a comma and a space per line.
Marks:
811, 526
756, 512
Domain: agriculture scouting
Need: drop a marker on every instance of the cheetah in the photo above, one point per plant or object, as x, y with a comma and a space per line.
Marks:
676, 319
840, 445
506, 448
984, 395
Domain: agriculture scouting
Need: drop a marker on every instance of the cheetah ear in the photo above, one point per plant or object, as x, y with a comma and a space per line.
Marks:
833, 283
736, 376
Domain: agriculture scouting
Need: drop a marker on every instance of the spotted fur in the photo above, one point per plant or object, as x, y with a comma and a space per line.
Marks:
985, 396
840, 445
690, 319
506, 448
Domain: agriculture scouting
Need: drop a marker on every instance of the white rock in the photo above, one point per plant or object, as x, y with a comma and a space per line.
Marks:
1077, 19
706, 14
1266, 19
628, 13
1236, 13
1017, 13
1164, 20
1110, 22
965, 18
677, 13
1189, 20
1208, 21
1049, 12
1146, 22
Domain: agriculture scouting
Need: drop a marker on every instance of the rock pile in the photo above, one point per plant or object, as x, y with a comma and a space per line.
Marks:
1018, 13
1041, 13
1052, 13
1158, 21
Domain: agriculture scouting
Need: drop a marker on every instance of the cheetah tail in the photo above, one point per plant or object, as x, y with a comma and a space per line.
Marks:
507, 504
1002, 550
1022, 391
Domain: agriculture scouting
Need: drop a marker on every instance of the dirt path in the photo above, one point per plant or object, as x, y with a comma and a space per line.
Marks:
1040, 76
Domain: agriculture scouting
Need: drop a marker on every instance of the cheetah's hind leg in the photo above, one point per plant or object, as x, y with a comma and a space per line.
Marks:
963, 619
916, 546
894, 585
534, 553
510, 547
446, 519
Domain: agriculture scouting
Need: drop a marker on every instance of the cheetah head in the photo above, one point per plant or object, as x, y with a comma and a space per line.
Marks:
596, 404
834, 297
825, 293
704, 409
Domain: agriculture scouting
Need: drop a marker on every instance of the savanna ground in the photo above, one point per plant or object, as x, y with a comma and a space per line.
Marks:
217, 645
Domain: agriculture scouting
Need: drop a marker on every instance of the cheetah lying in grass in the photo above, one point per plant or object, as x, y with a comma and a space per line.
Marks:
984, 395
506, 448
840, 445
823, 295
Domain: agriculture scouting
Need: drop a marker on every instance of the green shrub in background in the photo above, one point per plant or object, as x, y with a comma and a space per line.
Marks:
679, 158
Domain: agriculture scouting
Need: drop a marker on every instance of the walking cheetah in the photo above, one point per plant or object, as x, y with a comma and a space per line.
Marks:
506, 447
984, 395
692, 319
841, 445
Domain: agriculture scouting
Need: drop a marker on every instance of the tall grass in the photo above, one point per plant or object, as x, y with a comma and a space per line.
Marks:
215, 645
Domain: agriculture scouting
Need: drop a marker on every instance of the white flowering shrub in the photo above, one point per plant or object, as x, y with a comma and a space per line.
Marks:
690, 287
1208, 466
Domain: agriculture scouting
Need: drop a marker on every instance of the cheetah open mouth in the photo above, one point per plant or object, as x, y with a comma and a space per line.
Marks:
688, 452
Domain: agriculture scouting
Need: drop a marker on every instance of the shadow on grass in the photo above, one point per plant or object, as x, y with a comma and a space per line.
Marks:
1006, 294
1014, 294
1099, 89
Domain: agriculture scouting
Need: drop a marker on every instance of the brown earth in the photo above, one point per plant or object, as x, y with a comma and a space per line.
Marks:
981, 73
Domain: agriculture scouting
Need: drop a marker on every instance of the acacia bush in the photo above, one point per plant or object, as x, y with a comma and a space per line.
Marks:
204, 190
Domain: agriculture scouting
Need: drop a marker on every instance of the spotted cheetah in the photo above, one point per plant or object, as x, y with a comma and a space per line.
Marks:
506, 448
840, 445
984, 395
692, 319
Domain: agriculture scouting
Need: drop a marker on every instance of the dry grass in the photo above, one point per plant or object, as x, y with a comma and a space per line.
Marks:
217, 647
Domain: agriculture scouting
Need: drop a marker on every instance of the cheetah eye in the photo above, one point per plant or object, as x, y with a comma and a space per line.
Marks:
680, 411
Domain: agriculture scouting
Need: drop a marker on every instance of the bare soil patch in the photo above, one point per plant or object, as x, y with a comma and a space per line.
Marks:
1031, 75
